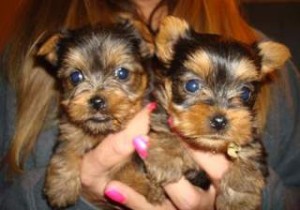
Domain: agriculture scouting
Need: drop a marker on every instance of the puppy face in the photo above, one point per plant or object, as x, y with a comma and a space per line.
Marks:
212, 96
212, 83
101, 73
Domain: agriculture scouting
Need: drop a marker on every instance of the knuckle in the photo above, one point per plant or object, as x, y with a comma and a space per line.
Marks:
120, 146
190, 202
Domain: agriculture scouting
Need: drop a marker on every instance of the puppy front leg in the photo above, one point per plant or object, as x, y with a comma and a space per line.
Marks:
241, 187
63, 186
167, 160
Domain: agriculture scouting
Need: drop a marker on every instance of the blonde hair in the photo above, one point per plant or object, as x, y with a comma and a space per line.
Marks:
35, 103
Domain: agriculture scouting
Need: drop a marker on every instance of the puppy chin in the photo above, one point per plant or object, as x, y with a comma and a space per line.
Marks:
96, 126
211, 143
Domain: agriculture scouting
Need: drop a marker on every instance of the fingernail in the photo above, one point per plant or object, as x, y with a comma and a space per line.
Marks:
170, 122
151, 106
141, 145
115, 195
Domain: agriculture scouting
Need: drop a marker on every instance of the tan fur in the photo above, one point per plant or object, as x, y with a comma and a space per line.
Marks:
199, 63
82, 126
48, 49
241, 187
168, 36
207, 17
244, 70
76, 59
201, 134
274, 55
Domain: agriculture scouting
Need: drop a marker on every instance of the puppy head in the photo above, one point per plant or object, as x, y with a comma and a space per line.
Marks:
101, 72
212, 83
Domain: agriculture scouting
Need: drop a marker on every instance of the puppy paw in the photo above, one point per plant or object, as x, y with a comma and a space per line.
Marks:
156, 194
164, 170
241, 188
167, 159
62, 185
62, 192
233, 200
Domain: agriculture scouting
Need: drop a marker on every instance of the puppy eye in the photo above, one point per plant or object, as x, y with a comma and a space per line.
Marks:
245, 94
192, 85
122, 73
76, 77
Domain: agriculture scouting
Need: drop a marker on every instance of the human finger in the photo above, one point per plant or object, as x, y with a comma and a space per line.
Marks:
114, 149
214, 164
124, 195
185, 196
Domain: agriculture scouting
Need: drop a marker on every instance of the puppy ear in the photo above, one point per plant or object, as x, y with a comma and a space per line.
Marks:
274, 55
147, 42
171, 29
48, 50
140, 32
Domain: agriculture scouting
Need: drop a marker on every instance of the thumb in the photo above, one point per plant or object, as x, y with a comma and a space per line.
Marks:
117, 147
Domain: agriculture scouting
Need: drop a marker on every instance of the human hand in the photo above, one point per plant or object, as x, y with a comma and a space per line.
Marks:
96, 164
182, 194
115, 148
188, 197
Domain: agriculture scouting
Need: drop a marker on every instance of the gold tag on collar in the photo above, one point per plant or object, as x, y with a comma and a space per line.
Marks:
233, 150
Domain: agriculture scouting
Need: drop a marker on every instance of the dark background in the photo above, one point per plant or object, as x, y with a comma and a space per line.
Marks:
279, 20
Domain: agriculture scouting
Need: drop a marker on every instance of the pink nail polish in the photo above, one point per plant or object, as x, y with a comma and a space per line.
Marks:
141, 146
114, 195
170, 122
151, 106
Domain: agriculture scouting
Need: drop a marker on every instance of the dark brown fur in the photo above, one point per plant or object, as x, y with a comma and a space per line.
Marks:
82, 128
95, 102
227, 76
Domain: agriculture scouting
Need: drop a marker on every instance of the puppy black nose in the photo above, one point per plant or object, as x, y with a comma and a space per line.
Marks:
218, 122
97, 103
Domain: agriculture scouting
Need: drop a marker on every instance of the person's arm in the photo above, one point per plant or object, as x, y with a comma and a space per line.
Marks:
7, 113
282, 142
26, 193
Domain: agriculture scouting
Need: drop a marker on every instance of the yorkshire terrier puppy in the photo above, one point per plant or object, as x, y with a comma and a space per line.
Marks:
103, 80
210, 86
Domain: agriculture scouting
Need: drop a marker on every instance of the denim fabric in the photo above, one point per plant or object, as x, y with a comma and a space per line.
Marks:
27, 193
